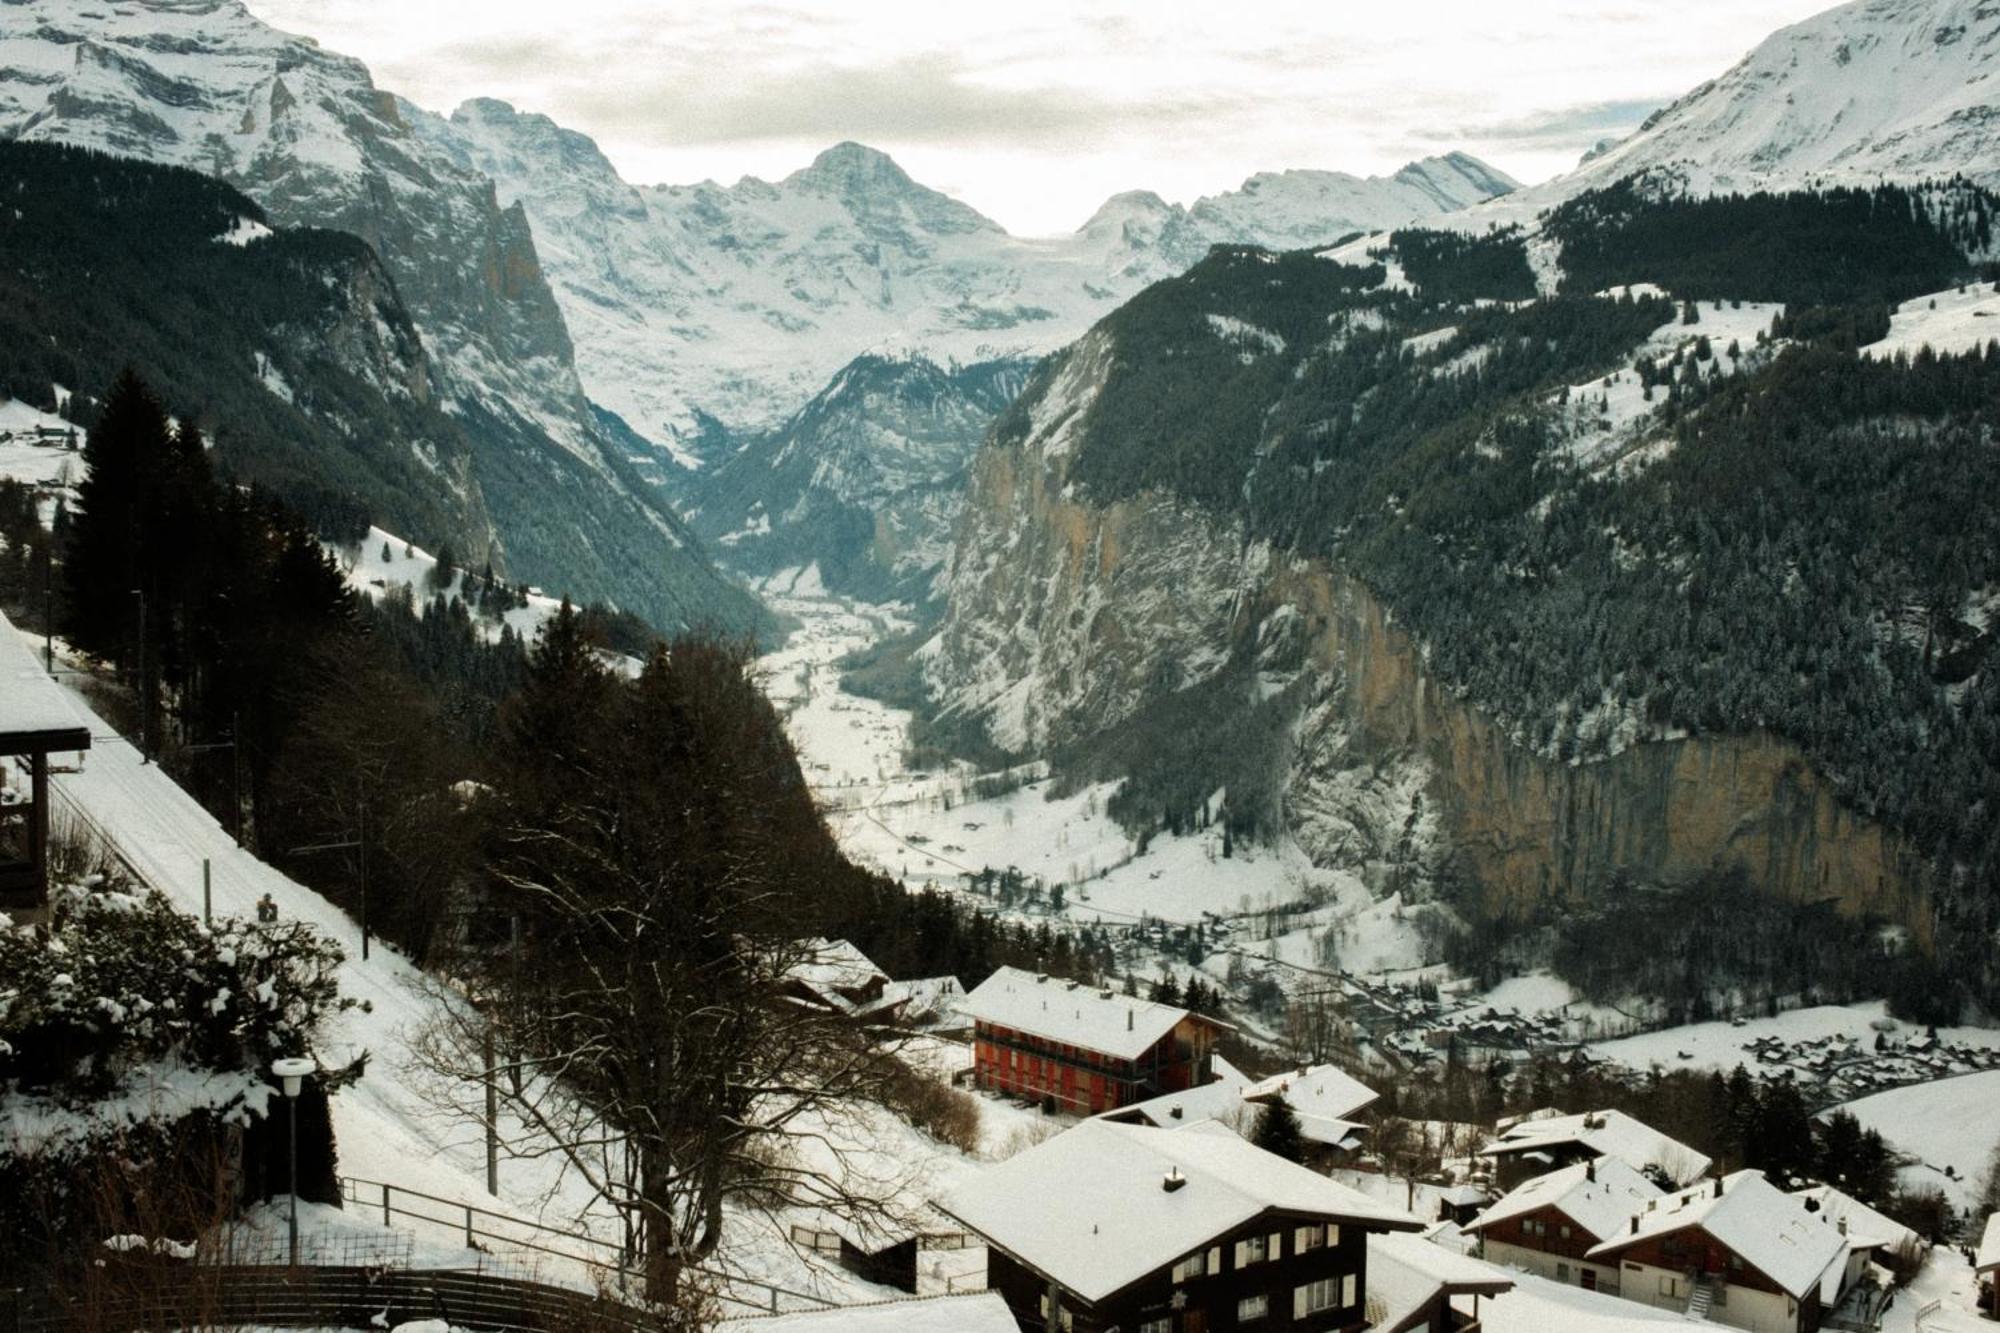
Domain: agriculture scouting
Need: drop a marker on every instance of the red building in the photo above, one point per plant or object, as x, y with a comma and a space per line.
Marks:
1084, 1050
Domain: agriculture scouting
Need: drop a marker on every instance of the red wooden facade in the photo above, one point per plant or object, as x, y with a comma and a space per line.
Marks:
1087, 1082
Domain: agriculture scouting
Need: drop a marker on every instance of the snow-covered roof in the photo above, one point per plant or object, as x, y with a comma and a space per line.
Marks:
835, 965
1326, 1091
979, 1312
1321, 1094
1866, 1228
1071, 1013
1988, 1256
926, 997
1600, 1196
1607, 1134
1539, 1305
1090, 1209
1407, 1273
33, 708
1767, 1228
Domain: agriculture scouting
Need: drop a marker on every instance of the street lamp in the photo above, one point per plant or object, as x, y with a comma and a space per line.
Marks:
292, 1072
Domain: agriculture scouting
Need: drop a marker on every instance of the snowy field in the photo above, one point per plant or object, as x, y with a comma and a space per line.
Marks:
1725, 1045
1953, 321
1953, 1122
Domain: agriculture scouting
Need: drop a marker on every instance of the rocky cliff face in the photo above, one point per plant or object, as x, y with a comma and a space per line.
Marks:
204, 84
1068, 621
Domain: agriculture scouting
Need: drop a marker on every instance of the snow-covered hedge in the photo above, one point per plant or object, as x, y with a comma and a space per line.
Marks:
117, 980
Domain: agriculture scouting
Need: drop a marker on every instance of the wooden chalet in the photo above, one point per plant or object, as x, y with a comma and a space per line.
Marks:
1543, 1142
1081, 1050
1986, 1263
1190, 1230
1414, 1286
1735, 1250
1549, 1224
36, 721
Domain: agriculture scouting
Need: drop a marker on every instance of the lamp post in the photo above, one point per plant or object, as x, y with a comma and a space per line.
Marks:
145, 694
292, 1071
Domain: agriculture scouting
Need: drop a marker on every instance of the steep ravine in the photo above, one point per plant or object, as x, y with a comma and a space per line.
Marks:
1066, 619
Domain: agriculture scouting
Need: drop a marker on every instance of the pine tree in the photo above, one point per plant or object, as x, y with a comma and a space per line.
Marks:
1278, 1131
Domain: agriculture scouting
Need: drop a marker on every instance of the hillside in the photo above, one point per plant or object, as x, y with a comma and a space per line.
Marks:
866, 480
290, 347
1524, 599
306, 134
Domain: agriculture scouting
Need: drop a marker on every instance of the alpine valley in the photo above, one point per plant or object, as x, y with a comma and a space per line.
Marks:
1550, 555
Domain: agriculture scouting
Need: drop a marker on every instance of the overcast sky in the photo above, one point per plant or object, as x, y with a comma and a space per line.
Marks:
1034, 111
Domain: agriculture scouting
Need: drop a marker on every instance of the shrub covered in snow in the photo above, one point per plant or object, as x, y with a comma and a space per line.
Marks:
117, 980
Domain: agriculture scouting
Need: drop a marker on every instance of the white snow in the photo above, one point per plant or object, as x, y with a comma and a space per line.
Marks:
1119, 1221
981, 1312
1607, 1134
1946, 1123
1948, 322
1769, 1228
1071, 1013
1601, 1197
243, 231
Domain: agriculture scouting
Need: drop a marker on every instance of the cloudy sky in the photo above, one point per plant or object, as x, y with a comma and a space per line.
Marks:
1034, 110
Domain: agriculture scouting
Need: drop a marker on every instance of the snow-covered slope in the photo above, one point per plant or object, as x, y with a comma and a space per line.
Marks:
1873, 90
693, 304
305, 132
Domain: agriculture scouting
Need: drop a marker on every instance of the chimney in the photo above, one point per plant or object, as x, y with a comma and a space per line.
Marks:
1718, 1187
1635, 1224
1590, 1170
1175, 1111
1173, 1180
1812, 1204
1128, 1020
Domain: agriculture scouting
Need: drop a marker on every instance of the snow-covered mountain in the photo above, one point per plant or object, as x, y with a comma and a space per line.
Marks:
693, 305
305, 132
1874, 90
866, 480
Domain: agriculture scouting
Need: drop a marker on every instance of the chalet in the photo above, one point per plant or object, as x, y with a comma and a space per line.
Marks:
1871, 1237
1986, 1262
1543, 1142
1548, 1224
1082, 1050
1325, 1098
834, 975
1171, 1231
1735, 1250
36, 721
1412, 1285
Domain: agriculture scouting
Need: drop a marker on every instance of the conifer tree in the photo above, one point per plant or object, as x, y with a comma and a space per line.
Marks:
1278, 1131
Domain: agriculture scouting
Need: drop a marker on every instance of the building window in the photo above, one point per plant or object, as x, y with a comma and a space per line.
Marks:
1314, 1297
1190, 1267
1349, 1291
1250, 1250
1165, 1325
1562, 1272
1565, 1232
1308, 1238
1333, 1234
1252, 1308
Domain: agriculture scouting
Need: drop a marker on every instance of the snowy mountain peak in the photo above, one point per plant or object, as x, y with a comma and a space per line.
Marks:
880, 194
1875, 90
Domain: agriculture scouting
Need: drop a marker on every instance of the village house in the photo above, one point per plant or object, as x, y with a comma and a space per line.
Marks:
1735, 1250
1871, 1237
1986, 1263
1413, 1284
1187, 1230
979, 1312
1325, 1098
836, 976
1547, 1225
1081, 1050
1543, 1141
36, 721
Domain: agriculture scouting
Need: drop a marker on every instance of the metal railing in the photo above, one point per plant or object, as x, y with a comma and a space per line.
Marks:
476, 1224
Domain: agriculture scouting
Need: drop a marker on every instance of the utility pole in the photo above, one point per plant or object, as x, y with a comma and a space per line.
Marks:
49, 606
492, 1116
358, 844
145, 694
